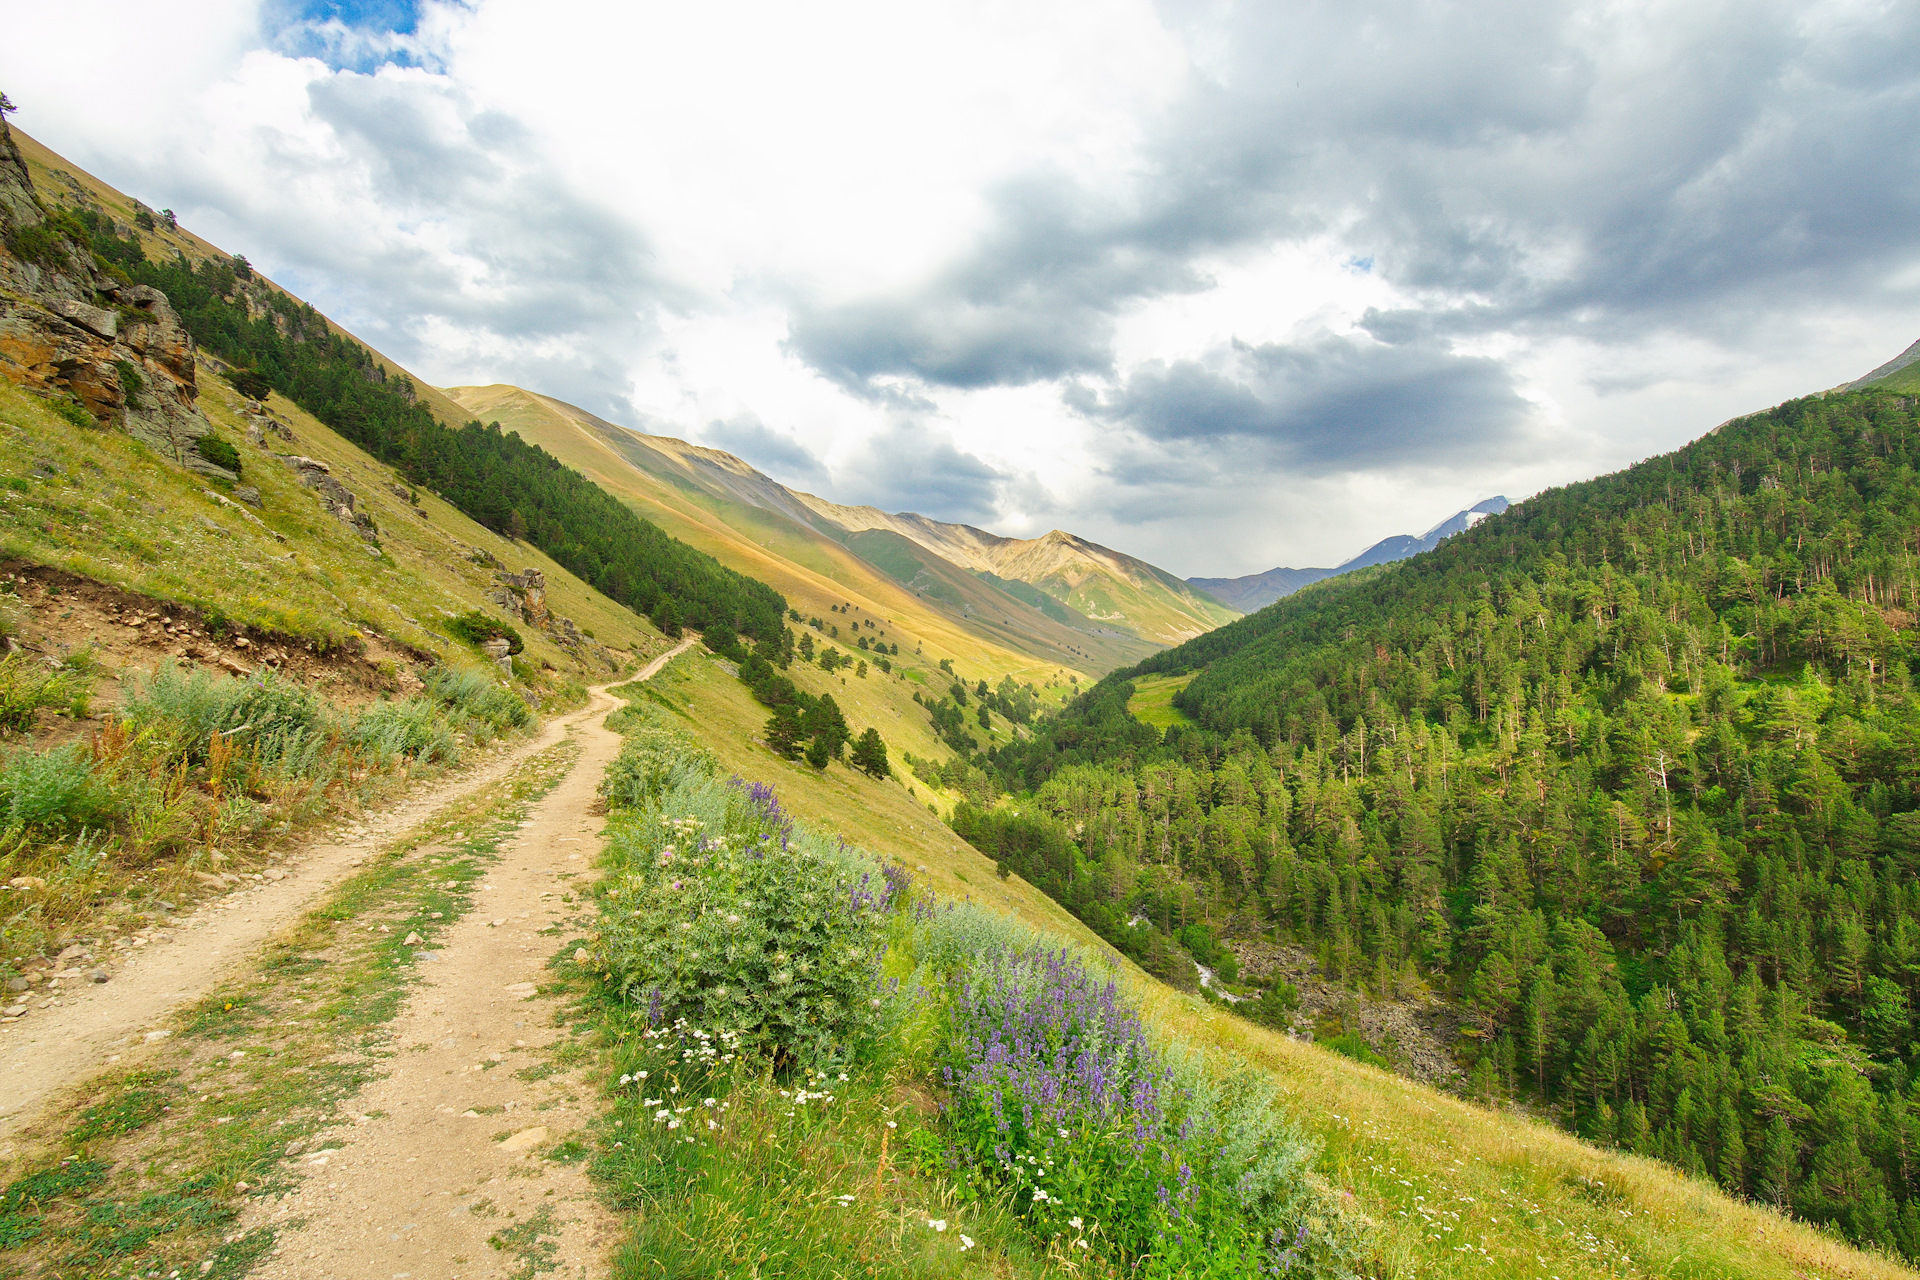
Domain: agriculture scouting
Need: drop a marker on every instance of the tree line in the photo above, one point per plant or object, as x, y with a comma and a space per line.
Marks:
493, 476
1632, 772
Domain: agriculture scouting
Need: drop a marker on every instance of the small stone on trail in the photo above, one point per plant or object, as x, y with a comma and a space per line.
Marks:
98, 975
411, 940
581, 955
151, 1036
525, 1138
498, 923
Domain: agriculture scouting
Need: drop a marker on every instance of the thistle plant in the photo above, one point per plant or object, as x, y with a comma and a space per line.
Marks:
721, 912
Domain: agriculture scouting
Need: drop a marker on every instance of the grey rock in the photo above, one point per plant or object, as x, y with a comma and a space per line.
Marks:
94, 319
248, 494
98, 975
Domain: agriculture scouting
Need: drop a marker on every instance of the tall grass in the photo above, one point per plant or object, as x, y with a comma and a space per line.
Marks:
196, 769
486, 706
28, 683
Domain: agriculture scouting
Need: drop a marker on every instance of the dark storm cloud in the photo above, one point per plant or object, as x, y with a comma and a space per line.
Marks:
780, 456
1531, 167
911, 467
1338, 404
1033, 301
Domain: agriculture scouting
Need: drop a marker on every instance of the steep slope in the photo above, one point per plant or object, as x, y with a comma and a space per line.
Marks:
1107, 586
1898, 374
1114, 600
718, 503
1625, 772
285, 345
1522, 1198
1257, 591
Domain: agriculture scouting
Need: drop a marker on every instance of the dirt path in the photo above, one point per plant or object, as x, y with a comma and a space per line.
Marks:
443, 1177
56, 1048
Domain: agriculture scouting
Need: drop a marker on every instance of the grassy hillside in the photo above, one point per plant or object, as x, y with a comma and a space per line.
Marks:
499, 481
1112, 590
716, 503
1056, 595
1152, 701
101, 505
1454, 1189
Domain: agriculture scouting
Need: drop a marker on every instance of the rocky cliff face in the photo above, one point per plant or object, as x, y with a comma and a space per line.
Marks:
69, 329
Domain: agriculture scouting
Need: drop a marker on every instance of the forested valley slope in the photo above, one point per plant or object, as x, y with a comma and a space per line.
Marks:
1630, 772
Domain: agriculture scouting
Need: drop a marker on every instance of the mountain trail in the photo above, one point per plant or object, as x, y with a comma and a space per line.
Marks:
442, 1175
60, 1047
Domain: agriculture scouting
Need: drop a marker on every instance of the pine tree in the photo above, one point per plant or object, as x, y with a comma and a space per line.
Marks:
825, 725
818, 754
784, 732
1779, 1170
1731, 1166
870, 755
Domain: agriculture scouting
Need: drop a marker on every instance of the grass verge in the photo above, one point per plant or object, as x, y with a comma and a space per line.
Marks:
147, 1169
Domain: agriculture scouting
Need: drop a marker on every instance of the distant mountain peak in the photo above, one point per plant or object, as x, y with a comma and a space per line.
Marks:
1258, 590
1076, 583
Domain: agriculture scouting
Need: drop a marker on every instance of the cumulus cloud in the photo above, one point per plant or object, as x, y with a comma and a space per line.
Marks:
1340, 403
779, 455
1077, 237
912, 467
1540, 168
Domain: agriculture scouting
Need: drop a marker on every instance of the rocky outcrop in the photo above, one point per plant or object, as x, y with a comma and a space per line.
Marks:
524, 593
334, 496
68, 328
262, 422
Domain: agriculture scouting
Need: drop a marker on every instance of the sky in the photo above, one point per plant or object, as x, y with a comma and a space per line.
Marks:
1226, 286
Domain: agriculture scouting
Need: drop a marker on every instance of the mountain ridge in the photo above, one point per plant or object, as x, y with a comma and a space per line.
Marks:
1101, 592
1255, 591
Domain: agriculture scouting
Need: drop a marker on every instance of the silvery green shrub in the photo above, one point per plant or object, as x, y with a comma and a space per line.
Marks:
719, 910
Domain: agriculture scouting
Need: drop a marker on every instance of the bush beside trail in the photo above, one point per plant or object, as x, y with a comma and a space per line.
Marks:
195, 768
767, 989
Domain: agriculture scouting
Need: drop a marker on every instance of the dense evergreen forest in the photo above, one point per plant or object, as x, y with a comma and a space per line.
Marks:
495, 477
1631, 771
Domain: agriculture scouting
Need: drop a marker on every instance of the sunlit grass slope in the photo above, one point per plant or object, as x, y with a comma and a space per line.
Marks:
110, 509
1455, 1189
1152, 701
129, 519
945, 610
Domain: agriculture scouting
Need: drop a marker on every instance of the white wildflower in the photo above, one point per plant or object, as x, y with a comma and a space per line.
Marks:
938, 1224
966, 1243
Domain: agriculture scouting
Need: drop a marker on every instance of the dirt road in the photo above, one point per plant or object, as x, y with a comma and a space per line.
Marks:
445, 1175
56, 1049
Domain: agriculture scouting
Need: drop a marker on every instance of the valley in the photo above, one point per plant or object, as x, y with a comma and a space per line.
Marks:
393, 798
